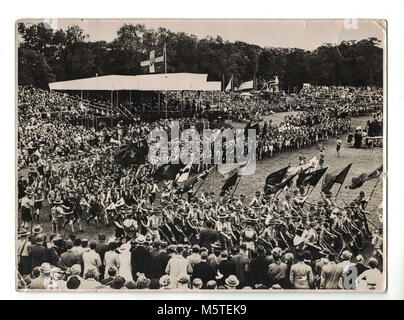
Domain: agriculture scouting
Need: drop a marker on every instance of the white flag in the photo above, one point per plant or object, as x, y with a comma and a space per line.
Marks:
229, 85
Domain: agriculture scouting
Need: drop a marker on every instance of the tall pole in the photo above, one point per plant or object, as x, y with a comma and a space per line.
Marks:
165, 58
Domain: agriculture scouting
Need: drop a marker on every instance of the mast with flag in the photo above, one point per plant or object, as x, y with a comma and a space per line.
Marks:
150, 64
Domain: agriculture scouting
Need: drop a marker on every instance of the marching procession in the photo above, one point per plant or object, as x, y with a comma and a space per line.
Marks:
160, 227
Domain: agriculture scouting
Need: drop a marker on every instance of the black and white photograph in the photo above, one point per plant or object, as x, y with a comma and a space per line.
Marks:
200, 155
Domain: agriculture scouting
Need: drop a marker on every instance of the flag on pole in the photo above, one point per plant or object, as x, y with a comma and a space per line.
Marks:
184, 173
190, 183
167, 171
310, 178
229, 86
270, 189
150, 64
276, 177
227, 169
331, 178
230, 183
358, 181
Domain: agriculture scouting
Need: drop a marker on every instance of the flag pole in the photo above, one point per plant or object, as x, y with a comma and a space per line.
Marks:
165, 58
371, 194
338, 191
235, 187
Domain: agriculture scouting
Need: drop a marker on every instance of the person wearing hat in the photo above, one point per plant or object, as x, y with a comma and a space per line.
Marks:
23, 252
159, 262
36, 249
140, 257
197, 284
57, 214
231, 282
345, 265
27, 205
183, 282
165, 282
178, 265
43, 280
256, 200
225, 268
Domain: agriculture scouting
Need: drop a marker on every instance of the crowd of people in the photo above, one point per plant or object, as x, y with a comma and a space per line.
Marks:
164, 240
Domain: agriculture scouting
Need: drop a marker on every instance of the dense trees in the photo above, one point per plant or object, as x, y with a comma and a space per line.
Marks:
46, 55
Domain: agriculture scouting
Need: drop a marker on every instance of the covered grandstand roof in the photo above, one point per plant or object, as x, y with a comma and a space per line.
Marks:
149, 82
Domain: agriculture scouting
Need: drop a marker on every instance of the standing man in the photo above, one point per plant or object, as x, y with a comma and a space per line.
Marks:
331, 274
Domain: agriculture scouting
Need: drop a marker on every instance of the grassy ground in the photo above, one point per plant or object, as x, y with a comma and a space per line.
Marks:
364, 160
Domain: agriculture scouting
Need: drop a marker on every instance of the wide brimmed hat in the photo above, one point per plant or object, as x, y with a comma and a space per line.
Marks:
29, 191
58, 200
346, 255
232, 281
140, 239
45, 268
37, 229
165, 280
183, 278
23, 232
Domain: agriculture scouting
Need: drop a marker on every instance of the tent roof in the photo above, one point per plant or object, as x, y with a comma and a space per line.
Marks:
149, 82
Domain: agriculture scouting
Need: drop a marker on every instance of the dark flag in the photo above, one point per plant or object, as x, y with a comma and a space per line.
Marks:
190, 183
270, 189
358, 181
276, 177
310, 178
130, 154
167, 171
331, 178
230, 183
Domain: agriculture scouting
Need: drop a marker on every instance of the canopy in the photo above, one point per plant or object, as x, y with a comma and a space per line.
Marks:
149, 82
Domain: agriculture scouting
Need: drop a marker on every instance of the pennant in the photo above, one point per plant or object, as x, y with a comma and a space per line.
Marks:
310, 178
229, 85
358, 181
331, 179
230, 183
190, 183
276, 177
270, 189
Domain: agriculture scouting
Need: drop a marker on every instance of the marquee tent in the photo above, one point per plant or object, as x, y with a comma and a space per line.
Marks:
149, 82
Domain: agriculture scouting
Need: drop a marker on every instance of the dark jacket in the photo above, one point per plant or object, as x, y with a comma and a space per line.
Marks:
207, 237
258, 271
226, 268
203, 271
159, 264
37, 255
241, 261
51, 256
140, 261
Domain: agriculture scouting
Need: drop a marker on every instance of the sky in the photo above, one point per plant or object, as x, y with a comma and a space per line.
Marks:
305, 34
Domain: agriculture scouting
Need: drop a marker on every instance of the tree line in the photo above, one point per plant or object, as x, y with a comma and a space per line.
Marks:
46, 55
